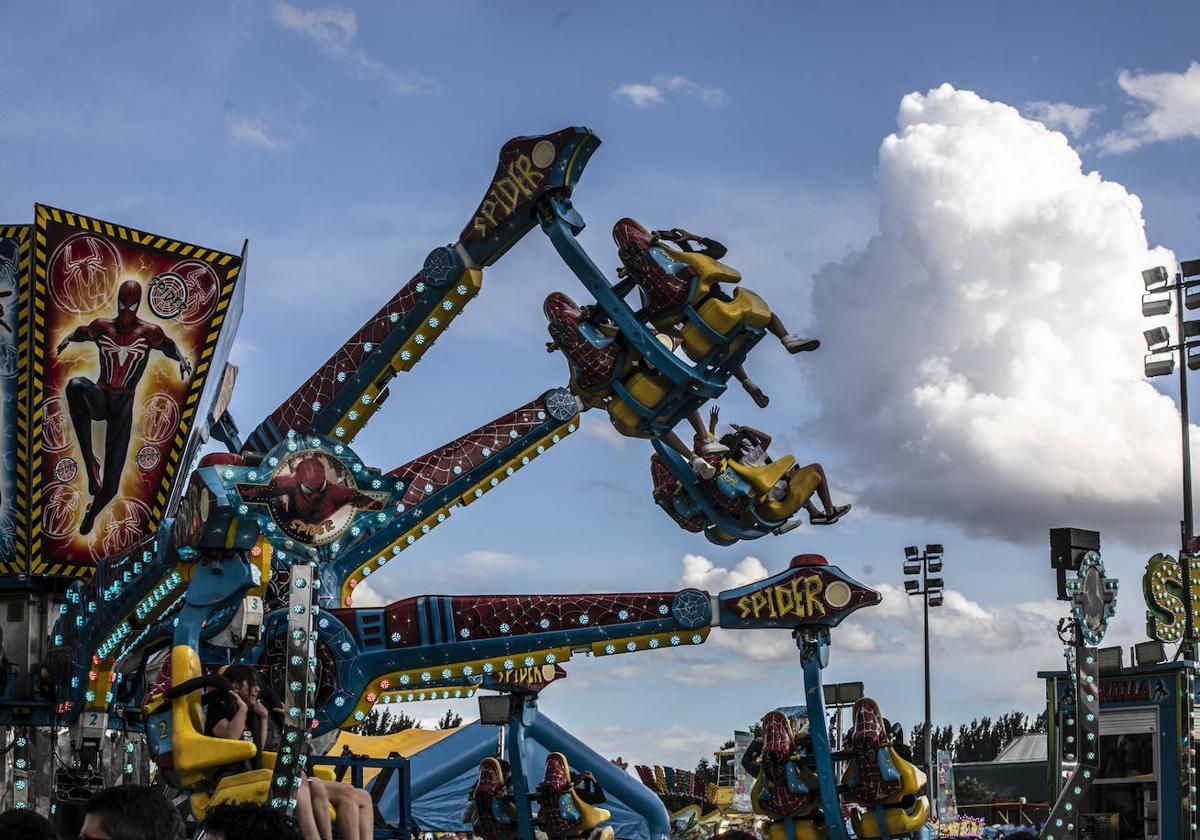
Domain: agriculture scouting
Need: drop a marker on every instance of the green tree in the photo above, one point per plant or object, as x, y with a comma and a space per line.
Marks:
382, 722
449, 720
970, 791
706, 772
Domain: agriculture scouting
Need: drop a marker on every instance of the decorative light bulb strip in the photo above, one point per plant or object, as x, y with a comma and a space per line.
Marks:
299, 687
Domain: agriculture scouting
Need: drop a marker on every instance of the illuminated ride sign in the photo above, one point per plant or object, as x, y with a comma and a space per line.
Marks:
1171, 587
809, 593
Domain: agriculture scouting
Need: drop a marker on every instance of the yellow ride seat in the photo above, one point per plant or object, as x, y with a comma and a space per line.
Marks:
557, 781
762, 479
195, 754
647, 390
723, 316
707, 269
801, 485
899, 821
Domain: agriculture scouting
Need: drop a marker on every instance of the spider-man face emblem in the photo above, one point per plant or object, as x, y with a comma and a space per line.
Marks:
311, 496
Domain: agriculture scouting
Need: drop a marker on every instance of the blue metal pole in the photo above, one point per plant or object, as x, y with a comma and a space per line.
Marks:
814, 648
523, 714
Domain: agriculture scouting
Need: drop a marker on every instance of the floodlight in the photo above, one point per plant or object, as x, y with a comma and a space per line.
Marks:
842, 694
1193, 359
1189, 268
1154, 304
1191, 329
494, 709
935, 583
935, 599
1149, 653
911, 586
935, 565
912, 567
1157, 337
1111, 658
1161, 366
1154, 277
1191, 298
911, 551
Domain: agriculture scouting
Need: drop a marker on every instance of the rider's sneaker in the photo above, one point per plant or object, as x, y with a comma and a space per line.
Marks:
795, 344
760, 399
713, 447
790, 525
829, 518
778, 491
703, 469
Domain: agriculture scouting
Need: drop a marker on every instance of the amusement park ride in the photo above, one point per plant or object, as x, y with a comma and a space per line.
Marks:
133, 567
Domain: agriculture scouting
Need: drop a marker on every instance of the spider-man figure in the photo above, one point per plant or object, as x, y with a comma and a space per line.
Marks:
311, 499
124, 344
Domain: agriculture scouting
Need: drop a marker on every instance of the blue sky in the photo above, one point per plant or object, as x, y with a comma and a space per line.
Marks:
346, 142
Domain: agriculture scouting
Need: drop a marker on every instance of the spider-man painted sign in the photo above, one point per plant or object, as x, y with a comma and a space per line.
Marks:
125, 327
312, 497
14, 263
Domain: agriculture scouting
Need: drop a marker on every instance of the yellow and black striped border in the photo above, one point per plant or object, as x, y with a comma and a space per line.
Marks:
18, 564
230, 264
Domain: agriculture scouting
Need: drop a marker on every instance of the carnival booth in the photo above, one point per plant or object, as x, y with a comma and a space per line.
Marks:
1141, 789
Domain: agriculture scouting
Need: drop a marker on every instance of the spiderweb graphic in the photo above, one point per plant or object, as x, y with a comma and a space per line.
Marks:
297, 411
435, 470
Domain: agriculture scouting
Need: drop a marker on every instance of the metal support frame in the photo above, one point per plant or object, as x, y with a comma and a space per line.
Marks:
1082, 747
814, 656
299, 688
522, 715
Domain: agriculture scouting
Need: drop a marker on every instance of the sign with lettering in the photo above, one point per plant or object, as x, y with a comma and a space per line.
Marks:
533, 678
808, 593
1168, 600
1121, 690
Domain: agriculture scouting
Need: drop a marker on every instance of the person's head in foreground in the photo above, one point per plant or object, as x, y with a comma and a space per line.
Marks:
25, 824
248, 821
131, 812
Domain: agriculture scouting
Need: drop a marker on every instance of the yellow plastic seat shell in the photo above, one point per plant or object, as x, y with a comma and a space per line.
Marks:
898, 820
723, 316
195, 754
763, 478
647, 390
590, 815
801, 486
804, 830
709, 270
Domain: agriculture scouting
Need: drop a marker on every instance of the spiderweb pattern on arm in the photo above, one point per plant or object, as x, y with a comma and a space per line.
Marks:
435, 470
297, 411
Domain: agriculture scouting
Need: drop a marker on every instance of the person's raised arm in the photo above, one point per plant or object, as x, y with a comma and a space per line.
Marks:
761, 438
232, 727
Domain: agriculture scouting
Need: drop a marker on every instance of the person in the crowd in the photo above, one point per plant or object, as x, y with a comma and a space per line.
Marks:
249, 821
354, 807
131, 812
239, 715
25, 824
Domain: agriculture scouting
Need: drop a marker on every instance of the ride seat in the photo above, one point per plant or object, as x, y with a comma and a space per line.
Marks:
763, 478
195, 754
723, 317
647, 390
880, 779
561, 812
495, 812
707, 269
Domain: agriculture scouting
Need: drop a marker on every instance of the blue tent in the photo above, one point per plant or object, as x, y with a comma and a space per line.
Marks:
443, 774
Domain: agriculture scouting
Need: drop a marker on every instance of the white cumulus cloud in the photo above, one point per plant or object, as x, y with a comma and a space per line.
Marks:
1168, 108
643, 95
982, 354
1072, 119
332, 30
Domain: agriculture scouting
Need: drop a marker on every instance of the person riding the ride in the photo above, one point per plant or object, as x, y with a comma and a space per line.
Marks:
748, 447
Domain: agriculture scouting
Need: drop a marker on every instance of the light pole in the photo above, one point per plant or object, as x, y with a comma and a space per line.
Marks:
1161, 294
917, 568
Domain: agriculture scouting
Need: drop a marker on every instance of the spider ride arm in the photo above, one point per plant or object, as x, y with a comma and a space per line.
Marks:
339, 398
